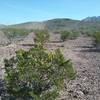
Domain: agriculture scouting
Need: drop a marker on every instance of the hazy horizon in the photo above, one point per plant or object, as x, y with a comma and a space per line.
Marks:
20, 11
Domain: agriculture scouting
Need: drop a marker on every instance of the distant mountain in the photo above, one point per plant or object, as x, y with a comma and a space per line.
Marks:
61, 24
2, 26
70, 24
28, 25
92, 19
89, 24
54, 24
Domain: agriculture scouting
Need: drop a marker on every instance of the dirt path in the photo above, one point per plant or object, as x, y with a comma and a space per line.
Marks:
86, 60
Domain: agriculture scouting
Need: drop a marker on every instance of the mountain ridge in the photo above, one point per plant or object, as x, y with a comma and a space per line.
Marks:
92, 19
88, 24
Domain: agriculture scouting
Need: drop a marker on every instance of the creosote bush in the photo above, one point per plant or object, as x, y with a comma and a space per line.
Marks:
37, 74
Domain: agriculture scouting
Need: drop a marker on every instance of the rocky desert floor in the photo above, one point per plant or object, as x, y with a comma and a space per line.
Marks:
86, 61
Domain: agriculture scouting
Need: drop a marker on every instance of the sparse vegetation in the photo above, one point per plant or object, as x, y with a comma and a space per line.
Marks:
39, 73
14, 32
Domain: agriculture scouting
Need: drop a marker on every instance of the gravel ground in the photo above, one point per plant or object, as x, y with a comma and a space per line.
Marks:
86, 60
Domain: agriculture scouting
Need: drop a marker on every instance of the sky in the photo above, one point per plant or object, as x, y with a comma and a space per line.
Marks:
19, 11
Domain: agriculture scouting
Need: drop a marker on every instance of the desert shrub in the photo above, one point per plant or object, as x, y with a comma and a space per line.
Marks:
37, 74
69, 35
41, 37
96, 37
74, 34
90, 33
65, 35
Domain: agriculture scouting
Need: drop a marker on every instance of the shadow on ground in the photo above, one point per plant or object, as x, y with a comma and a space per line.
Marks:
87, 49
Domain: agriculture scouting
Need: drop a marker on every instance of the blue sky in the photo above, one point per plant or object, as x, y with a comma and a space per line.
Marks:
18, 11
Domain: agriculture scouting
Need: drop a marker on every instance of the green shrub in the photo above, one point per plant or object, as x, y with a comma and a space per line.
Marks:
69, 35
65, 35
41, 37
37, 74
74, 34
96, 37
